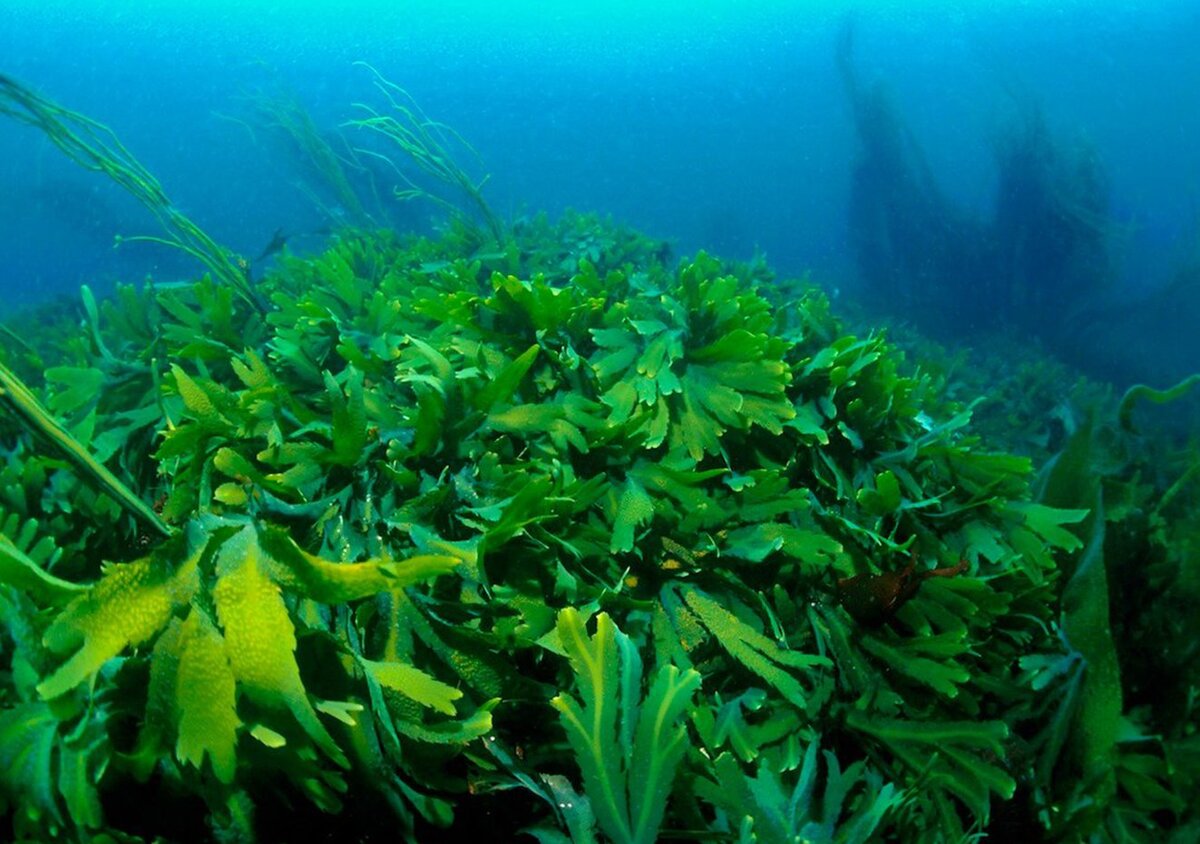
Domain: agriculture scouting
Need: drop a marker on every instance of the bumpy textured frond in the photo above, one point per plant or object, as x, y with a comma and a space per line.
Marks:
414, 684
754, 650
333, 583
206, 691
128, 605
260, 638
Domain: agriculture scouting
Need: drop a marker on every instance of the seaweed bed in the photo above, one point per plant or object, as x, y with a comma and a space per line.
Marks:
551, 534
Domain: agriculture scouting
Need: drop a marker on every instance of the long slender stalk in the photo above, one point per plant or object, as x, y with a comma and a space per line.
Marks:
283, 111
95, 147
426, 143
21, 403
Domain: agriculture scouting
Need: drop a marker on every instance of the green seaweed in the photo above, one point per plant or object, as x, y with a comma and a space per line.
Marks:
1142, 391
94, 147
427, 145
390, 501
628, 747
21, 404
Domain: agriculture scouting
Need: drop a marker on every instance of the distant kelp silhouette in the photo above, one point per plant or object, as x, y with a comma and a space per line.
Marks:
1042, 258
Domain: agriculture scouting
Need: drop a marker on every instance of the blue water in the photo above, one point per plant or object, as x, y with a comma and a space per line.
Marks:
721, 125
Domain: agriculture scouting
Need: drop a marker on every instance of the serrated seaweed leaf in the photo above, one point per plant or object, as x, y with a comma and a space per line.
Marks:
944, 676
413, 683
44, 769
1047, 522
501, 388
757, 652
21, 572
627, 782
349, 419
953, 751
20, 402
848, 810
634, 508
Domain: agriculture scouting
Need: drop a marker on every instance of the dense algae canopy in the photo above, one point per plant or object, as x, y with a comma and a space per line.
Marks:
641, 542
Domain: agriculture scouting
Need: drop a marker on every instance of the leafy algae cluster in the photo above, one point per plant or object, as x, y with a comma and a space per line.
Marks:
560, 538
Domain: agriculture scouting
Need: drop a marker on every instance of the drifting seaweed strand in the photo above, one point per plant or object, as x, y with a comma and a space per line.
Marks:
1143, 391
424, 141
95, 147
284, 112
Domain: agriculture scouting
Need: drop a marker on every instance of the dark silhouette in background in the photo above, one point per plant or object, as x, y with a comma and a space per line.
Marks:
1043, 264
909, 241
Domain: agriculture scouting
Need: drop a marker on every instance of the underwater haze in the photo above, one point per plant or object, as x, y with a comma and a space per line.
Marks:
722, 125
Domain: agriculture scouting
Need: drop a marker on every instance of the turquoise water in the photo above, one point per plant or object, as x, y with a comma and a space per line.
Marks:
719, 125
